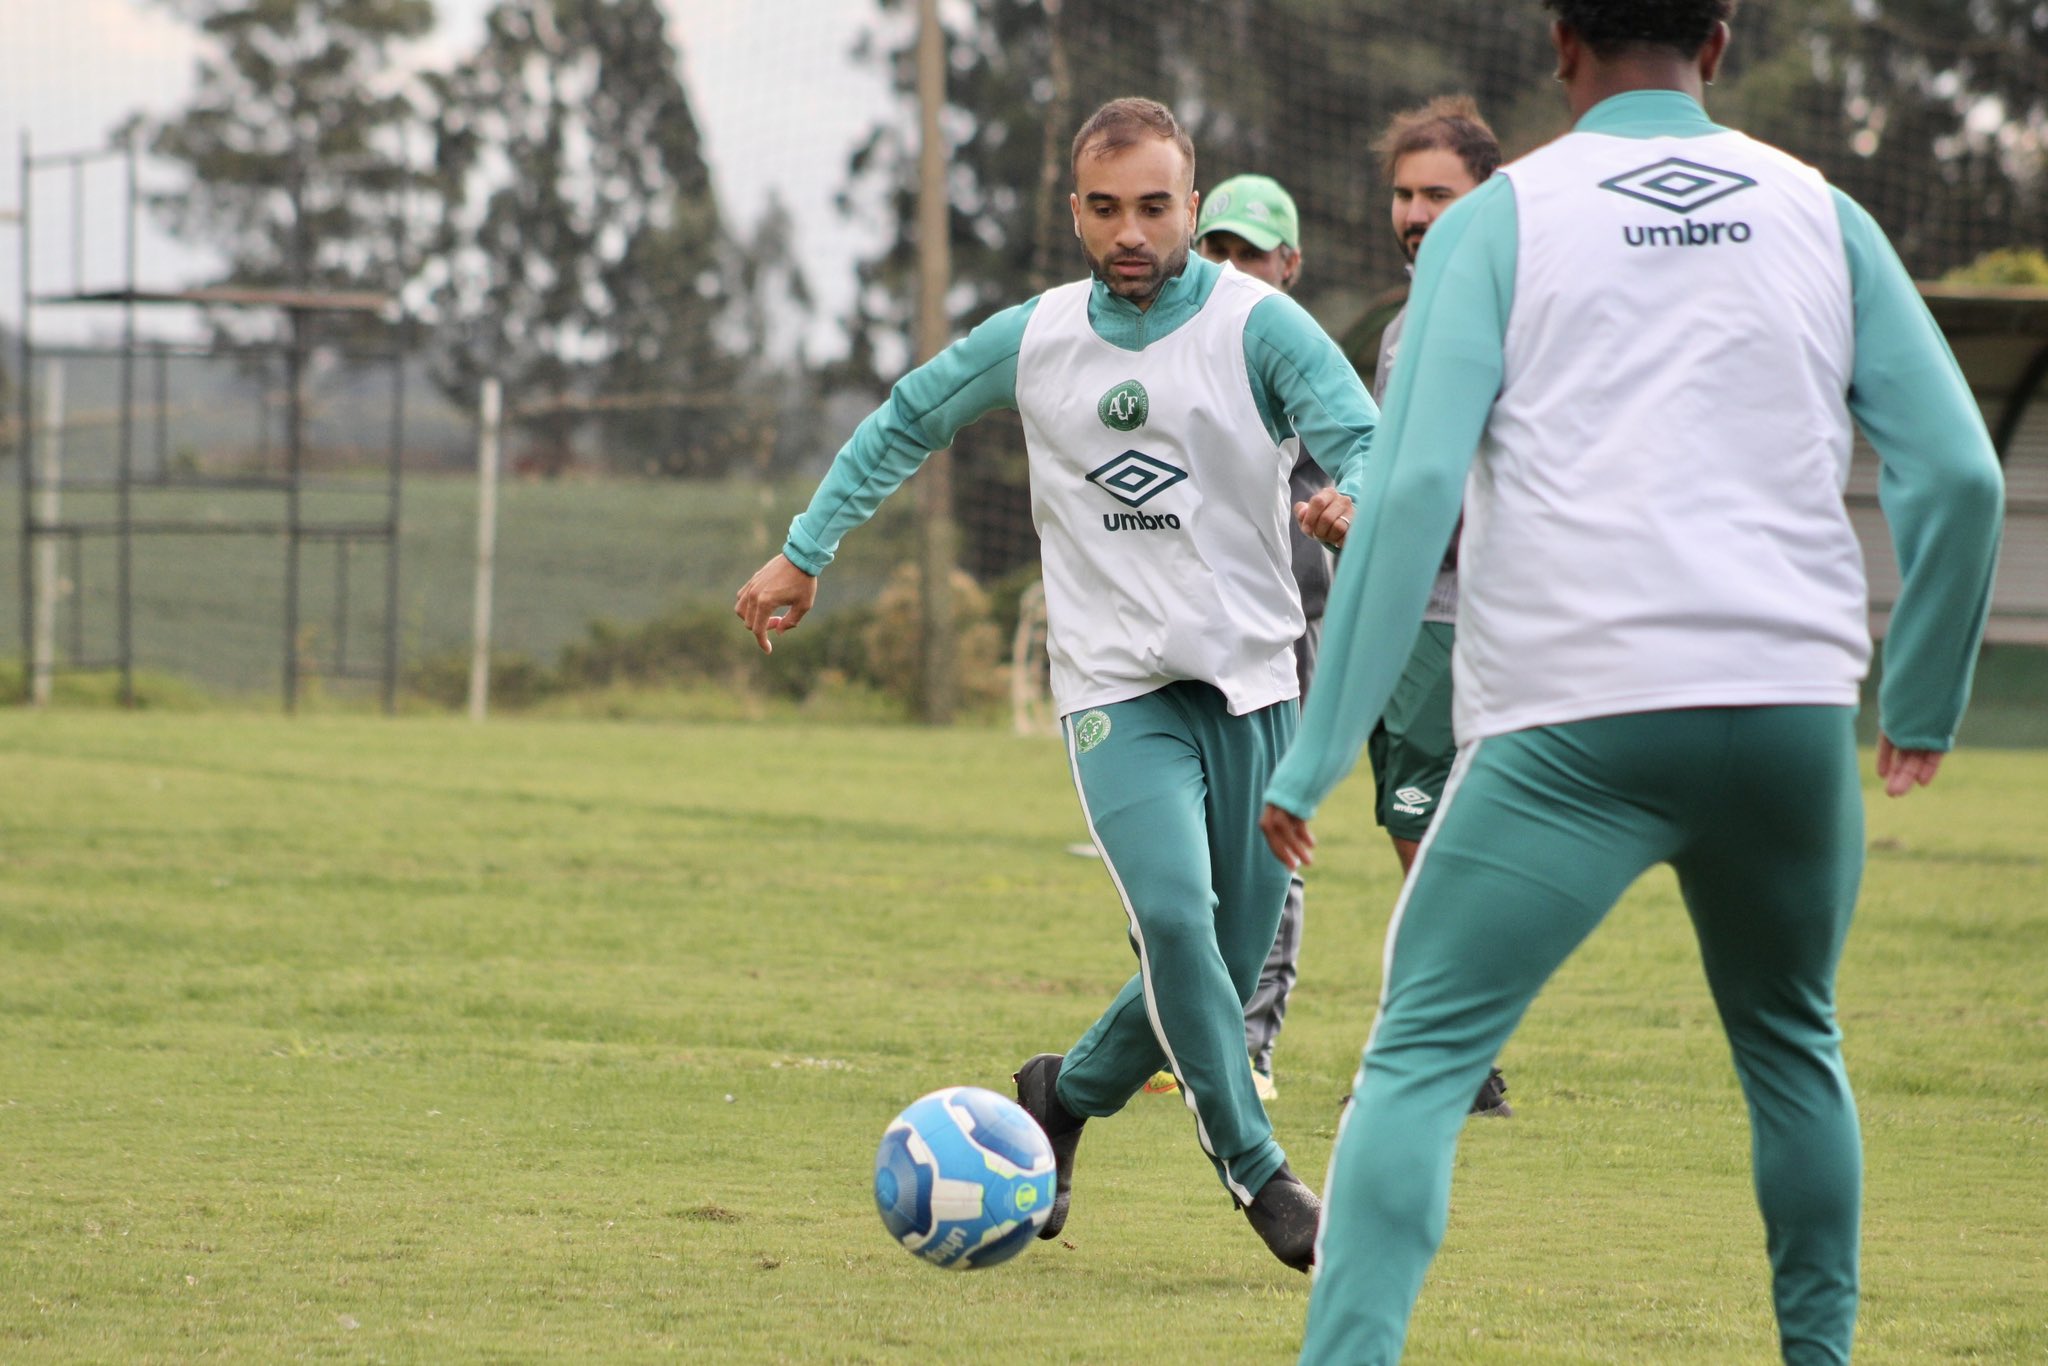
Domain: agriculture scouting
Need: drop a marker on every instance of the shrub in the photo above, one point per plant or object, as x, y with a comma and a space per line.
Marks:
2005, 266
895, 640
517, 680
694, 642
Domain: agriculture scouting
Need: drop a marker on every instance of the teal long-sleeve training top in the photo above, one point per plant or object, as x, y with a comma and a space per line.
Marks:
1940, 485
1300, 382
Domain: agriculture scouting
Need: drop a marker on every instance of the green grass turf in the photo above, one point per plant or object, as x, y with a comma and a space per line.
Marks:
348, 1040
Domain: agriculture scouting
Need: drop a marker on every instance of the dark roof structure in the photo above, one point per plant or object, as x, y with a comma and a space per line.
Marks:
2000, 336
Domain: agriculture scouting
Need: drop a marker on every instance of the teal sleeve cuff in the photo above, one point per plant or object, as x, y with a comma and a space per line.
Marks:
799, 550
973, 376
1443, 387
1939, 484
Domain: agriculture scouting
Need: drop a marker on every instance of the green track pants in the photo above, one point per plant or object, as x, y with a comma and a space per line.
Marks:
1171, 786
1541, 831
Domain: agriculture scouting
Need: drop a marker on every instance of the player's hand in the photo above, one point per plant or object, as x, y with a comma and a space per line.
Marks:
778, 587
1905, 769
1288, 836
1326, 517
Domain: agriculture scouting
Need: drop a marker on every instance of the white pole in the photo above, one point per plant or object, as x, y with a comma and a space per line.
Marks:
47, 506
488, 412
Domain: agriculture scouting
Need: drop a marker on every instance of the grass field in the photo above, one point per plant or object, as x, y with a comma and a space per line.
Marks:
351, 1040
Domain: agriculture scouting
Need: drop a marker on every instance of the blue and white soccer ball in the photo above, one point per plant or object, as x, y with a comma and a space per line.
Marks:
964, 1178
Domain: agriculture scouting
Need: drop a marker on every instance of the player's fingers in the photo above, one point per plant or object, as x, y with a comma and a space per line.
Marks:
759, 617
1269, 826
790, 617
746, 607
1319, 522
1301, 853
1281, 851
1287, 835
1329, 517
1911, 768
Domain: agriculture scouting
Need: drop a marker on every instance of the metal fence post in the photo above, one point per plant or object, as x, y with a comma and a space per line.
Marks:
489, 409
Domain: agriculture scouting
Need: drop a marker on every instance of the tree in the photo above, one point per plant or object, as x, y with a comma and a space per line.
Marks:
295, 143
1933, 113
582, 257
1292, 88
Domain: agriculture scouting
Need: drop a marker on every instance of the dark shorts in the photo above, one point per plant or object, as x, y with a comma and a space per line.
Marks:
1411, 748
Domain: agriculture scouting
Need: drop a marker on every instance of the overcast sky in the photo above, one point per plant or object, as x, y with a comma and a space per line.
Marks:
778, 95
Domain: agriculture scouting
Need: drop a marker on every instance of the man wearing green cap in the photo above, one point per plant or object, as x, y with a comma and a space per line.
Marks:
1433, 155
1250, 222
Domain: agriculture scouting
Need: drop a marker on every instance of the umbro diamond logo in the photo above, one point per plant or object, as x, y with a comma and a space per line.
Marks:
1677, 184
1414, 796
1135, 478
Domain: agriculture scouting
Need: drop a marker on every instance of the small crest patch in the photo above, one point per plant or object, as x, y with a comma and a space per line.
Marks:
1125, 407
1090, 730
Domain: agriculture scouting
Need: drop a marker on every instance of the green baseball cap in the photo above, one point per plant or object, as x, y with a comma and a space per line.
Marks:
1255, 208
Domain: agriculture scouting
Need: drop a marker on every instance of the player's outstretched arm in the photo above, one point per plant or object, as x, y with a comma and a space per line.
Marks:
973, 376
1905, 769
775, 599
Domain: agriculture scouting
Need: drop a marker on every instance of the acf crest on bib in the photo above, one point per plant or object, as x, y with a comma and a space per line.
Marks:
1125, 407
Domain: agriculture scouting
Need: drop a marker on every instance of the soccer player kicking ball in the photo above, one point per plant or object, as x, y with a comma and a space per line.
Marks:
1655, 333
1156, 398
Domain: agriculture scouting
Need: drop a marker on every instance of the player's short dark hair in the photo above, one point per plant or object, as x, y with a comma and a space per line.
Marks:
1612, 26
1449, 123
1122, 122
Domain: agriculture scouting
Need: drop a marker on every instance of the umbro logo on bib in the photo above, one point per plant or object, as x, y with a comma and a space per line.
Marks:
1677, 184
1135, 478
1680, 186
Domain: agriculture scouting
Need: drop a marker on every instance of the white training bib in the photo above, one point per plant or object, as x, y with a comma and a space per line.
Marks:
1160, 502
1655, 516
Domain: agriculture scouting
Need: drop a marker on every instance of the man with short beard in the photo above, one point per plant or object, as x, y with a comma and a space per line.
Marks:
1433, 155
1156, 398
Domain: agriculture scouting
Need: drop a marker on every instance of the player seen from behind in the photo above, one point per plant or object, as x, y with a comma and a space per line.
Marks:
1645, 343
